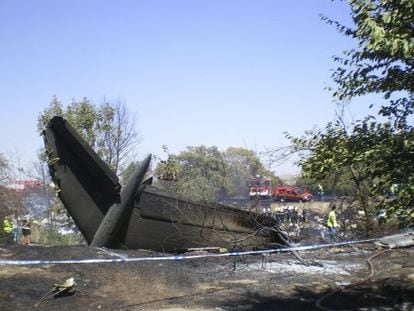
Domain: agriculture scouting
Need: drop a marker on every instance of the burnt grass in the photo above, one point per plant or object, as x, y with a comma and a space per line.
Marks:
272, 282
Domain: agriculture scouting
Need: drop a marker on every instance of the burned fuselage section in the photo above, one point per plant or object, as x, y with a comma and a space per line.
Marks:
167, 223
139, 216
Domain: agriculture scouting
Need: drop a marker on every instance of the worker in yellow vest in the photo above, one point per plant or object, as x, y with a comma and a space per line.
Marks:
7, 225
8, 229
331, 221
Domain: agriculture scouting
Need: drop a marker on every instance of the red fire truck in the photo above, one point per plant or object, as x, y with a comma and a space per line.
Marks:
23, 185
260, 187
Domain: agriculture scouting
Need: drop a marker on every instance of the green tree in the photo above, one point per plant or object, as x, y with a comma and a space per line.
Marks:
197, 173
109, 128
4, 175
5, 208
383, 61
377, 152
243, 164
206, 174
203, 175
338, 184
332, 151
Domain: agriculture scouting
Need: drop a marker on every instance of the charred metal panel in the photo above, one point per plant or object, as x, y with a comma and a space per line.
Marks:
86, 185
172, 237
218, 217
110, 233
167, 223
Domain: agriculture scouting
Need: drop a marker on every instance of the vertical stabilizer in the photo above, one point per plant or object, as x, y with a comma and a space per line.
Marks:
86, 185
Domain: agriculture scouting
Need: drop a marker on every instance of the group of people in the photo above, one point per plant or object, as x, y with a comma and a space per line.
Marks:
17, 233
292, 214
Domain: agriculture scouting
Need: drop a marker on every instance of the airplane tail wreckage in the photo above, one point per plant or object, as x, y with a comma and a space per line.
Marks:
138, 216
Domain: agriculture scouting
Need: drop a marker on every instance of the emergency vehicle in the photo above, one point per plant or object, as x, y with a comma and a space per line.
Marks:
290, 193
260, 187
23, 185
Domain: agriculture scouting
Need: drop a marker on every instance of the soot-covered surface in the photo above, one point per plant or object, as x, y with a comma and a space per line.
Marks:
272, 282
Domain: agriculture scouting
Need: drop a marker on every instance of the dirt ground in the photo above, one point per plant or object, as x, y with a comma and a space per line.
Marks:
271, 282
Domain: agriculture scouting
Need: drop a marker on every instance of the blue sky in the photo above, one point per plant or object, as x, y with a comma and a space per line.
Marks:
213, 72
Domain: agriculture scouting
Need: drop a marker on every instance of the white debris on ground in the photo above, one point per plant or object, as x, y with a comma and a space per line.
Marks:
397, 240
328, 267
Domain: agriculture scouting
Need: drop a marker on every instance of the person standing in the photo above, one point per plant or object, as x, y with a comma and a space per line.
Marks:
331, 221
305, 214
320, 192
26, 231
16, 230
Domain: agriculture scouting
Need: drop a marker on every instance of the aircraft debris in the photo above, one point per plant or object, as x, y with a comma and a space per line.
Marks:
397, 240
139, 216
67, 288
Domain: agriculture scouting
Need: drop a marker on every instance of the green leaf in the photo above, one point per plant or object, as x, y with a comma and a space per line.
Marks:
386, 17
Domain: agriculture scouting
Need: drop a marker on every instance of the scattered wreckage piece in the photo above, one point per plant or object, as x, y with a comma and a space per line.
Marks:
58, 290
139, 217
397, 240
